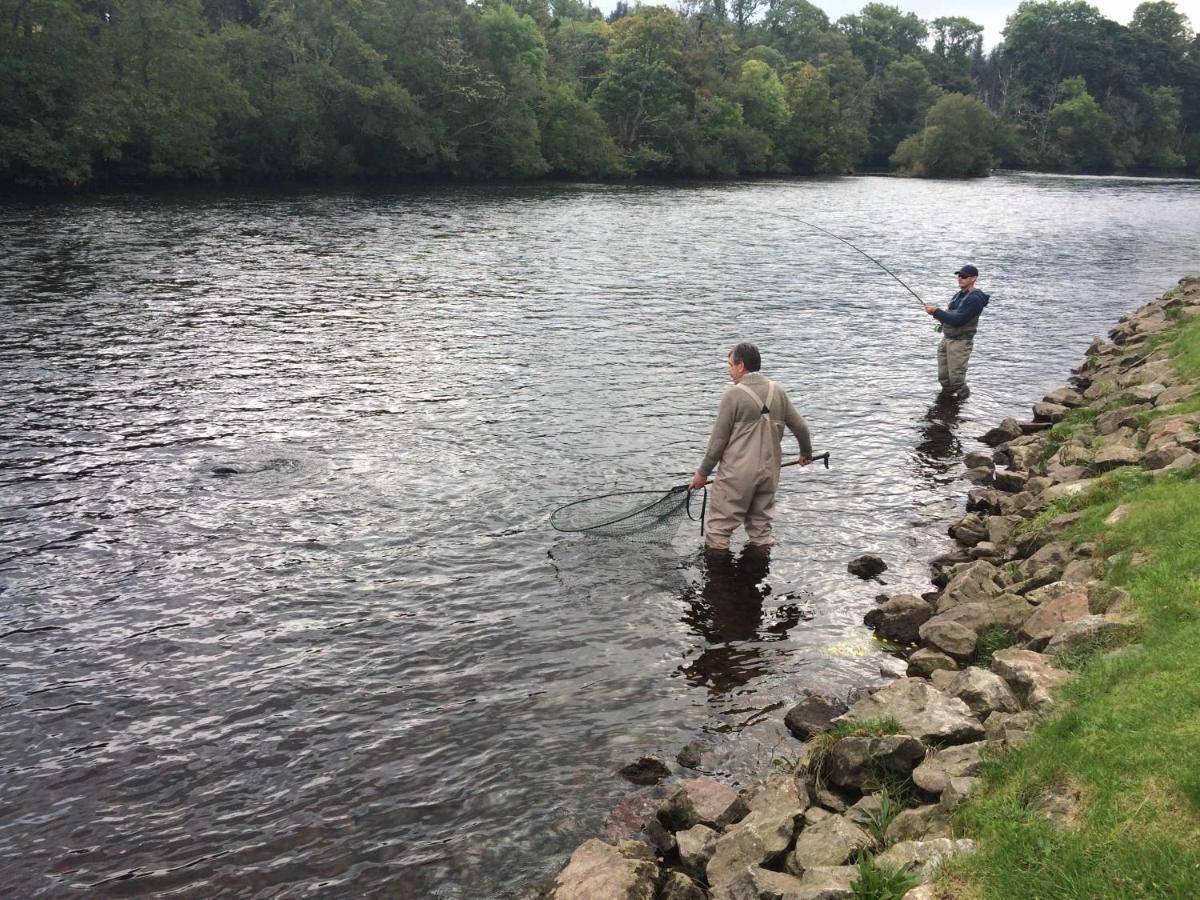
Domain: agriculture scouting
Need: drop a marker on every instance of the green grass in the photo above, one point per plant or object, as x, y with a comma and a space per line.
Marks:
1129, 740
876, 882
995, 638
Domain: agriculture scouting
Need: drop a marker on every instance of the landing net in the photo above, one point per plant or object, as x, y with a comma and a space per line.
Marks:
626, 513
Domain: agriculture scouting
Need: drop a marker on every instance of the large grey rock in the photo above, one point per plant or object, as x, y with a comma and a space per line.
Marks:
866, 566
679, 886
778, 791
934, 774
1091, 630
1002, 726
1067, 489
984, 692
1010, 482
1031, 676
600, 871
922, 711
1049, 412
1055, 555
696, 847
1065, 397
1051, 616
950, 637
1005, 431
1116, 419
829, 882
926, 661
969, 530
978, 580
830, 842
702, 801
1115, 457
763, 884
758, 840
860, 762
813, 713
1145, 393
920, 822
1162, 457
899, 618
923, 857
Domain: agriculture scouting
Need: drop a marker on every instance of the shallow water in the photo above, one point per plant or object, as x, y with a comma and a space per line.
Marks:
280, 610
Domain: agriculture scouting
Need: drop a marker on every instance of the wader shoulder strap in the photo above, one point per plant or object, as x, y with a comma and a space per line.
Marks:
765, 405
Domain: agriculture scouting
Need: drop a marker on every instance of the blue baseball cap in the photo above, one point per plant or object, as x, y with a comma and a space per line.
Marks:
968, 271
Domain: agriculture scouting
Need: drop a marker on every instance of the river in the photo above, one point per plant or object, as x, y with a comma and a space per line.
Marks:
281, 613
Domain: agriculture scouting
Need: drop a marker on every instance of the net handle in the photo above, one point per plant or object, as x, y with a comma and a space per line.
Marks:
824, 457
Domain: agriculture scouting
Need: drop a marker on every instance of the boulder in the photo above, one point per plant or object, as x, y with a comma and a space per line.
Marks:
647, 770
926, 661
950, 637
815, 712
934, 774
1145, 393
1114, 457
829, 882
984, 692
830, 842
1051, 616
702, 801
600, 871
979, 475
1162, 457
779, 790
1003, 726
1031, 676
1174, 395
969, 530
691, 755
1065, 397
923, 857
977, 460
898, 620
1055, 555
866, 566
1010, 482
1116, 419
860, 762
1091, 630
1049, 412
1024, 459
922, 711
630, 816
696, 847
1005, 431
976, 581
679, 886
758, 840
1067, 489
920, 822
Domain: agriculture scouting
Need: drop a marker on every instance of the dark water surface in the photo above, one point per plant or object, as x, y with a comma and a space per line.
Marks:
280, 610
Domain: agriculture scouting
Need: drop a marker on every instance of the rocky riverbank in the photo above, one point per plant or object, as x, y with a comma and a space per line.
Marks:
869, 793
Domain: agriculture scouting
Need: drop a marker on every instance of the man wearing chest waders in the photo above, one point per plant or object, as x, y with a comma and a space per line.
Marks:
746, 441
958, 322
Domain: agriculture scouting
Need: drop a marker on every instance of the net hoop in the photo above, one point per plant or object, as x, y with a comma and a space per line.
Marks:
653, 498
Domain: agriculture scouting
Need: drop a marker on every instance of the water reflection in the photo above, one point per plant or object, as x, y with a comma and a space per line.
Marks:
939, 448
726, 609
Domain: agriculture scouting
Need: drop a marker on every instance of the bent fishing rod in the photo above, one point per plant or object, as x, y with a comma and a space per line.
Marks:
852, 247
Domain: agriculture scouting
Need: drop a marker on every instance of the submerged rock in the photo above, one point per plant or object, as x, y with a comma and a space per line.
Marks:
866, 566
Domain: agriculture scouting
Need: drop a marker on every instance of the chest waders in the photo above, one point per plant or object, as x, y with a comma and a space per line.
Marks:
954, 353
743, 491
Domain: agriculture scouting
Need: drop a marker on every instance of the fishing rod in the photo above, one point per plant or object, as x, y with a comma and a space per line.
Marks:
852, 247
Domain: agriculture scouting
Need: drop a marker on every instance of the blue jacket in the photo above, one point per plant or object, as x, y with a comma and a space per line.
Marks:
961, 313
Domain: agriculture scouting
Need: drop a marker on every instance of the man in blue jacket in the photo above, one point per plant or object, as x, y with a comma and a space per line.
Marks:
958, 322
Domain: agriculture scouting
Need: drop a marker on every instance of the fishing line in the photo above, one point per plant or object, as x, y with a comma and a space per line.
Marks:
852, 247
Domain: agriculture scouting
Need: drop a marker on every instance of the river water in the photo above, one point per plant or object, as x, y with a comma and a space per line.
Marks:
281, 613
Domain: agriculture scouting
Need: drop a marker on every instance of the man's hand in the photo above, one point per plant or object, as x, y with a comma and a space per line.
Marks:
804, 460
697, 482
930, 308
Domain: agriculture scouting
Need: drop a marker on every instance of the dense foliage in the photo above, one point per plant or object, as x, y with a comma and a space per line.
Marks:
135, 90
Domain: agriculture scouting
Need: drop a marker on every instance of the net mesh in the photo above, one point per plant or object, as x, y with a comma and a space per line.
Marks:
625, 513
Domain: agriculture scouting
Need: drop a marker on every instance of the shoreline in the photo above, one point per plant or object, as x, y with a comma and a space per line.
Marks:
874, 790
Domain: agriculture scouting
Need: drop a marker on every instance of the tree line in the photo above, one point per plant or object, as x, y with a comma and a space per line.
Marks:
131, 91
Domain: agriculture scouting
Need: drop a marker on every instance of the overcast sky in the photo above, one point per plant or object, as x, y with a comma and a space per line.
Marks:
991, 14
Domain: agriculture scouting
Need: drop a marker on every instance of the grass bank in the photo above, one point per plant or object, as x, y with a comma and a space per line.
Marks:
1122, 761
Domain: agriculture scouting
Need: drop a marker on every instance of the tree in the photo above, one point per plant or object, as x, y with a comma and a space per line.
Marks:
957, 47
1082, 130
794, 26
882, 34
903, 95
955, 142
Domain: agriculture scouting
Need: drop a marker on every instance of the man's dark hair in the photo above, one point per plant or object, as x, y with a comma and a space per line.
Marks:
747, 354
